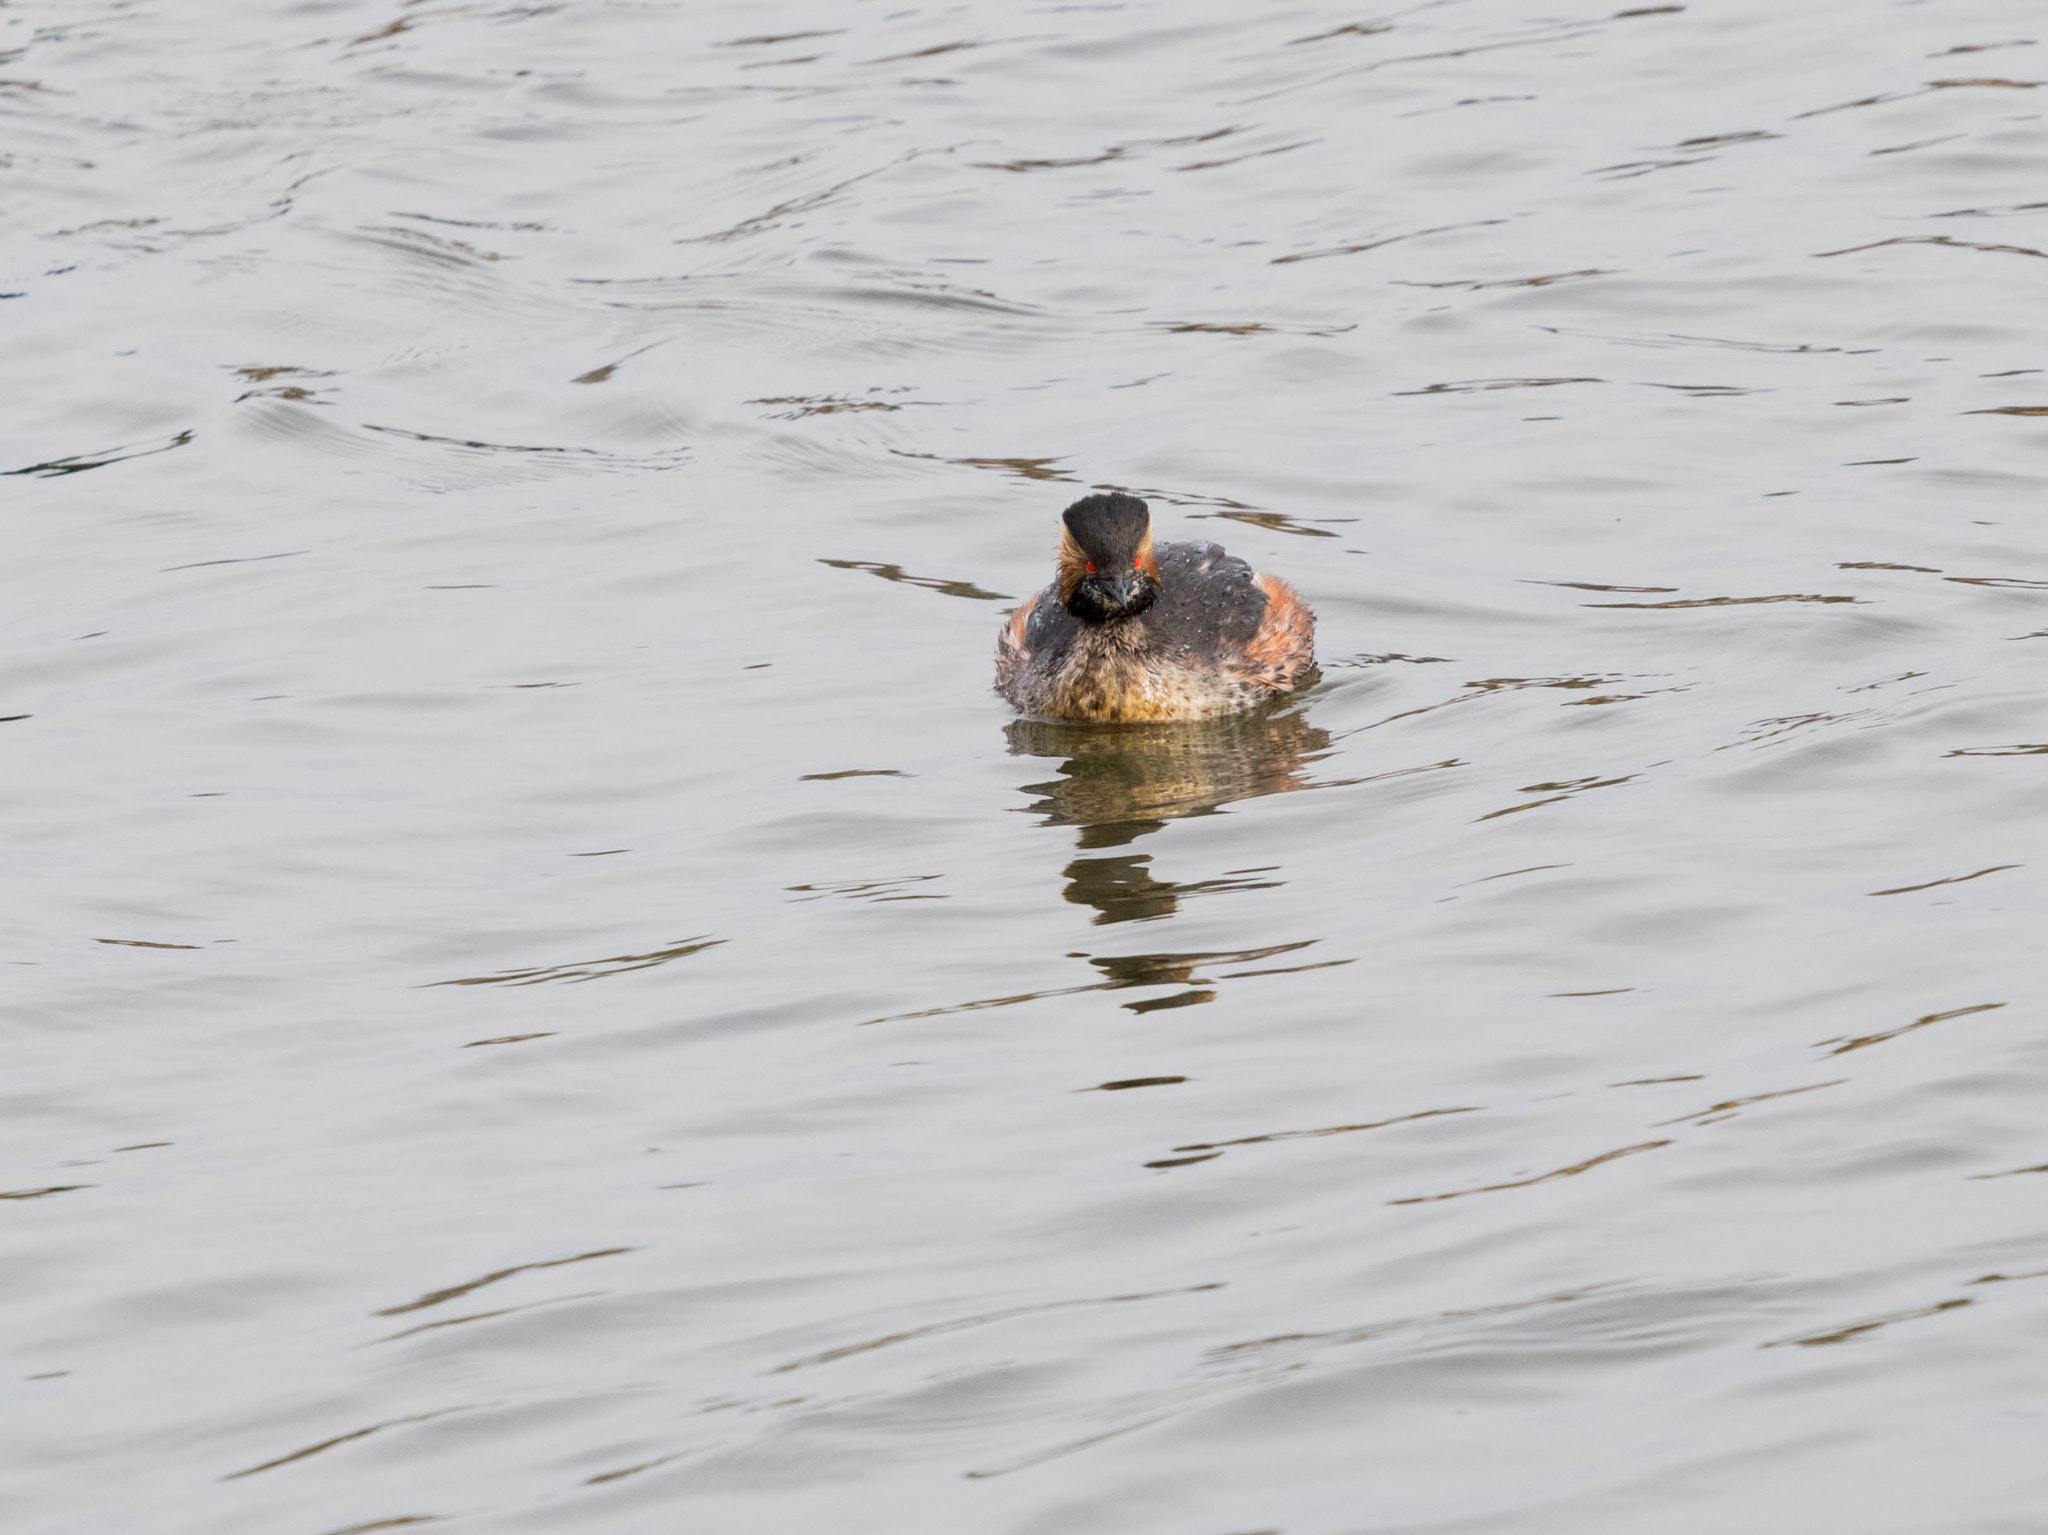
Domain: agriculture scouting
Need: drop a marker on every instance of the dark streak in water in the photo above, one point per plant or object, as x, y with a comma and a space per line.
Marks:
623, 1472
1522, 1183
455, 1292
584, 970
778, 37
768, 220
926, 53
2017, 42
480, 1316
2011, 250
819, 405
1727, 138
1723, 602
865, 889
1485, 689
600, 374
1028, 468
1542, 280
1594, 586
263, 375
1300, 1135
1628, 170
1243, 328
1256, 154
1126, 1083
1918, 1023
1844, 1334
1178, 999
1382, 660
252, 559
1380, 1329
1530, 805
1125, 971
1273, 522
1674, 338
491, 447
417, 242
1351, 29
328, 1444
1567, 32
390, 29
896, 573
429, 218
54, 1188
1703, 391
1861, 101
1731, 1104
1657, 1081
1534, 868
1904, 149
1115, 153
1245, 975
982, 1320
79, 463
1373, 245
1954, 879
1470, 386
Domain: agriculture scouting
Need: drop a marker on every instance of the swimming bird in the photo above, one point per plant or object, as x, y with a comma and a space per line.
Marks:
1129, 630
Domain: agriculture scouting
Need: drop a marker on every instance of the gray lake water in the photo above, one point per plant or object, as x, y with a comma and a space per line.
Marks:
550, 996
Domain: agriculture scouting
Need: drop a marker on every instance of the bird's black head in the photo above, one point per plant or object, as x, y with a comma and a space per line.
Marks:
1106, 567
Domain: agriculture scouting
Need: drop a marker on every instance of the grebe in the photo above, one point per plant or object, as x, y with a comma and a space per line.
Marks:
1130, 631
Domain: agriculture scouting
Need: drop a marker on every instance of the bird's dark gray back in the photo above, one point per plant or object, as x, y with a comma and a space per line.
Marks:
1207, 600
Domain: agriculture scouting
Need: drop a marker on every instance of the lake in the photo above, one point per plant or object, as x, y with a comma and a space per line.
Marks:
563, 1001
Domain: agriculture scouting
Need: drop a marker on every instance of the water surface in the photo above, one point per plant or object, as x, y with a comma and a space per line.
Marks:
551, 996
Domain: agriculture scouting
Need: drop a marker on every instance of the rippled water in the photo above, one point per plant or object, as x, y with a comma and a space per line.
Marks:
552, 997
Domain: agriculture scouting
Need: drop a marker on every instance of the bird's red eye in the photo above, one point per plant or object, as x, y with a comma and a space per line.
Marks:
1091, 567
1137, 564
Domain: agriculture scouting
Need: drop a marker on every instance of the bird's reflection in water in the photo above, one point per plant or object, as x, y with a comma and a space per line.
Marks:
1118, 783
